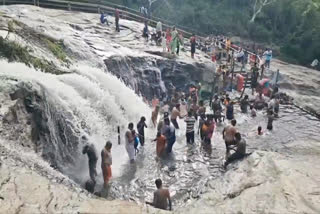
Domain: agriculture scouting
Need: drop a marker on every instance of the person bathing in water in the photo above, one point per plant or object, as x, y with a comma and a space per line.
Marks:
91, 152
130, 143
239, 148
161, 197
190, 121
270, 120
170, 133
228, 135
175, 114
154, 116
161, 144
140, 127
106, 162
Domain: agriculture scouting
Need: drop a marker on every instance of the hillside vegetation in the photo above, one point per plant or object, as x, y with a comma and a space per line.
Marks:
291, 25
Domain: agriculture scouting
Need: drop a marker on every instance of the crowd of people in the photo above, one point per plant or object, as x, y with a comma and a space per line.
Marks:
171, 40
201, 118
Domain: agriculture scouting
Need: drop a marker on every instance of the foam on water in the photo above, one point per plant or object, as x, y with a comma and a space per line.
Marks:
99, 99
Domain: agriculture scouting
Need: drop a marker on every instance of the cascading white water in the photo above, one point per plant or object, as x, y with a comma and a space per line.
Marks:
99, 99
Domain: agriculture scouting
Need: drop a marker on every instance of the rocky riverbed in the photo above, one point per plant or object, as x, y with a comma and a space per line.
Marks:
44, 114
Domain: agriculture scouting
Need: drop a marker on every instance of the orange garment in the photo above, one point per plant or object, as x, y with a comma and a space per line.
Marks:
161, 145
204, 128
107, 173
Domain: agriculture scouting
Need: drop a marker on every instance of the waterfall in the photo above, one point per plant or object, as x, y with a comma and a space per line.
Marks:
87, 96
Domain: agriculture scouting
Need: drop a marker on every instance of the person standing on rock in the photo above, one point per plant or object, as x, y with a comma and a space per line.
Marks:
175, 40
117, 18
90, 150
168, 38
161, 197
106, 162
140, 126
159, 32
254, 77
193, 45
130, 143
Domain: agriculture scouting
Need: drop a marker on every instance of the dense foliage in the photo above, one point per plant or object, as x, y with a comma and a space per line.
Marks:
291, 26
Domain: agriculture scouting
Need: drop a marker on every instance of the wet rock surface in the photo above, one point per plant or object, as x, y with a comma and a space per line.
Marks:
282, 170
36, 120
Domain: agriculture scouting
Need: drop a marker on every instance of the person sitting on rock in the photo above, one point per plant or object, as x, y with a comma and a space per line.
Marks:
103, 19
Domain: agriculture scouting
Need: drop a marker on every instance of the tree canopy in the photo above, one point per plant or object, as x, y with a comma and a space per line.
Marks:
291, 25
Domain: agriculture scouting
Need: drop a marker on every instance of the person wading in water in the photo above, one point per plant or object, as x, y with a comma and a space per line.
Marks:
140, 126
161, 197
106, 162
130, 143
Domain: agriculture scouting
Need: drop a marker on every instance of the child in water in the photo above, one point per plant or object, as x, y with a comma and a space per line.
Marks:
136, 142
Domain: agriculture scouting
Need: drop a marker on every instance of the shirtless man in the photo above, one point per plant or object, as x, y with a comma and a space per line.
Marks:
130, 143
240, 150
174, 115
161, 197
154, 116
228, 135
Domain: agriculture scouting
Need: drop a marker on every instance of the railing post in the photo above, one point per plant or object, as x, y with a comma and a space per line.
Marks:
69, 6
99, 10
34, 2
38, 3
4, 2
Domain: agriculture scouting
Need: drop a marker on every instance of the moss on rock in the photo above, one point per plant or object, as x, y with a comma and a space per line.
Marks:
17, 53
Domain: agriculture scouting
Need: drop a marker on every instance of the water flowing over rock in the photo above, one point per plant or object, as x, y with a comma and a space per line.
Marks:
44, 115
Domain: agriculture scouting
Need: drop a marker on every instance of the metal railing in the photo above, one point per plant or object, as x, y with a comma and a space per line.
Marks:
97, 7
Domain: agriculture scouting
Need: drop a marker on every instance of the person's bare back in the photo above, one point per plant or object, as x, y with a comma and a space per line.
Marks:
230, 132
160, 199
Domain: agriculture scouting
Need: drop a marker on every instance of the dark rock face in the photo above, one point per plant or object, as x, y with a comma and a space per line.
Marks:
50, 130
144, 74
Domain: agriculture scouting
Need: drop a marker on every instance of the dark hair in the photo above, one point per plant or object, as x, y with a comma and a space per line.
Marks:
246, 97
251, 107
189, 113
143, 119
84, 138
233, 122
228, 99
158, 134
178, 105
259, 128
108, 145
237, 136
158, 183
130, 125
